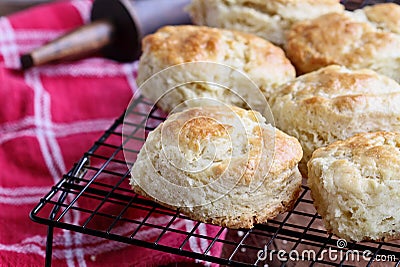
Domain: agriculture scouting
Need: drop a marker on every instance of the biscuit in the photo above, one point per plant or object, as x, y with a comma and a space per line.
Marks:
355, 185
384, 16
344, 39
264, 65
333, 104
267, 19
219, 165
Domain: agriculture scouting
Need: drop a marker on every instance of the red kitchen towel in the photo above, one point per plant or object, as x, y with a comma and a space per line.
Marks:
49, 116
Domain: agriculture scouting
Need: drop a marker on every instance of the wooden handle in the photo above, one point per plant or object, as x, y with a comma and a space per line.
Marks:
85, 40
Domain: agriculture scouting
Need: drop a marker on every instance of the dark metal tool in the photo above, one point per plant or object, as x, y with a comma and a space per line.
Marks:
116, 30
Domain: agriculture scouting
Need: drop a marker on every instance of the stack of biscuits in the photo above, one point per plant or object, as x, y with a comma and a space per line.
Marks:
265, 93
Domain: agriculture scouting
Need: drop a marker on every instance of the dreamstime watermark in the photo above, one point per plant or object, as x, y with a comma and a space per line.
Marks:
331, 254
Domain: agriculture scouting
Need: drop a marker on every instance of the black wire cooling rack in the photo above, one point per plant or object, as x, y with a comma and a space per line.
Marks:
97, 188
355, 4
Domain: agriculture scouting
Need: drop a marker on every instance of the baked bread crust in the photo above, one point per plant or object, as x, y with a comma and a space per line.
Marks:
267, 19
343, 39
333, 104
355, 185
263, 63
250, 177
384, 16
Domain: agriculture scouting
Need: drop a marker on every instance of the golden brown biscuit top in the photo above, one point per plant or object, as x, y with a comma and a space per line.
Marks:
386, 16
174, 46
336, 38
229, 139
178, 44
333, 33
194, 131
339, 87
368, 155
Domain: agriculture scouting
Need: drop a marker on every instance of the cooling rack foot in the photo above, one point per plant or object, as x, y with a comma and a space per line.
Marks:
49, 246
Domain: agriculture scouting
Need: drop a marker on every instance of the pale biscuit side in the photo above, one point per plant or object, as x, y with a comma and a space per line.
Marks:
356, 188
